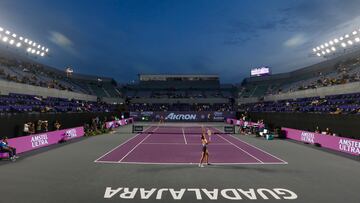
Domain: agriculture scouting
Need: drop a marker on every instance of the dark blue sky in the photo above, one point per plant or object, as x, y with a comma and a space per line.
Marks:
123, 38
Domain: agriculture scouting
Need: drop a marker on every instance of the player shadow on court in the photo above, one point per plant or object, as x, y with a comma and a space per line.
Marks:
158, 168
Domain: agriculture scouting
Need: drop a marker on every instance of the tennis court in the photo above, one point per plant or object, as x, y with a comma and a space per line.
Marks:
154, 166
171, 144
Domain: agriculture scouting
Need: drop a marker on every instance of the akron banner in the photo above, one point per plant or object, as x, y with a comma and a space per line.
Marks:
182, 115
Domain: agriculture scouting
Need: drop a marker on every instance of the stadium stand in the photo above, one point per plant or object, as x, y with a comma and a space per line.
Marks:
20, 103
333, 104
342, 70
20, 69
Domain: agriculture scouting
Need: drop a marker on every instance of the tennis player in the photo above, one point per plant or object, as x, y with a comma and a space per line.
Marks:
204, 151
161, 120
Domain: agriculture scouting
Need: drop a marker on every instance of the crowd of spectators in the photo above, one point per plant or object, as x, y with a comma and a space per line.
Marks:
29, 73
18, 103
343, 77
40, 126
334, 104
345, 73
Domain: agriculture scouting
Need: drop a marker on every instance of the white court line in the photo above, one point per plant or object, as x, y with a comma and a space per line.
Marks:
241, 149
186, 163
136, 146
174, 143
184, 135
254, 147
260, 149
120, 145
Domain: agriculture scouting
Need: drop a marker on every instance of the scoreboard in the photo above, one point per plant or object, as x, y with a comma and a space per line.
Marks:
260, 71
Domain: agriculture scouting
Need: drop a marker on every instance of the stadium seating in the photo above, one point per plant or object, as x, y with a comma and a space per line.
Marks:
19, 103
334, 104
21, 70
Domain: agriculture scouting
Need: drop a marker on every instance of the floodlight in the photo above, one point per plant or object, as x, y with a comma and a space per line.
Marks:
1, 29
354, 33
336, 40
318, 54
343, 44
43, 48
323, 52
13, 35
47, 50
34, 44
333, 48
326, 44
11, 42
26, 40
328, 50
7, 32
322, 46
314, 50
33, 51
42, 54
341, 38
346, 36
318, 48
350, 42
21, 38
39, 46
38, 52
331, 42
5, 39
357, 39
18, 44
30, 42
28, 49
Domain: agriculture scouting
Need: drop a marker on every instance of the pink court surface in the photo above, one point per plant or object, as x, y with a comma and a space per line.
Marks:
182, 145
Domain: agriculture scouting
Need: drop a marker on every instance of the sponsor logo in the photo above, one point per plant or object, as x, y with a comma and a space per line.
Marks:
134, 114
39, 140
71, 133
351, 146
173, 116
147, 113
307, 137
200, 194
219, 118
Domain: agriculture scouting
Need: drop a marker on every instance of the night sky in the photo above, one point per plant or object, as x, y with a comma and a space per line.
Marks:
123, 38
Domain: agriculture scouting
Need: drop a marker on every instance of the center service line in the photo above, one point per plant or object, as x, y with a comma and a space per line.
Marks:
184, 135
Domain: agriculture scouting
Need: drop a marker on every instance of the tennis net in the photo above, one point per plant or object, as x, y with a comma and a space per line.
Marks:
180, 129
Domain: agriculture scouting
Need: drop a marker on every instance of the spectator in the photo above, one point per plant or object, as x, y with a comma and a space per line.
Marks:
57, 125
27, 128
45, 126
4, 147
31, 128
39, 126
328, 131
